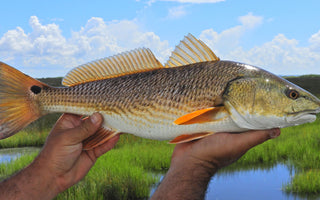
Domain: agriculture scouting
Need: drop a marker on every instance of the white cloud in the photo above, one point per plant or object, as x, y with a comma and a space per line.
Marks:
194, 1
150, 2
250, 21
45, 46
229, 39
315, 41
45, 49
176, 12
280, 55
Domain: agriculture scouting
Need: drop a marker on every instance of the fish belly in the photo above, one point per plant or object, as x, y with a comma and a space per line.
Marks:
151, 127
165, 129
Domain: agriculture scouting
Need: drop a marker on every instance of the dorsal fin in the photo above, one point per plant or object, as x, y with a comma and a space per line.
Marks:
135, 61
190, 50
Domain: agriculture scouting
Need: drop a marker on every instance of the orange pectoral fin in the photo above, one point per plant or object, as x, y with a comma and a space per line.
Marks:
188, 138
185, 118
200, 116
100, 137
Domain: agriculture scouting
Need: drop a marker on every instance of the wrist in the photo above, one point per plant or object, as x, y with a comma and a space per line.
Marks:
33, 182
200, 166
187, 178
194, 168
43, 181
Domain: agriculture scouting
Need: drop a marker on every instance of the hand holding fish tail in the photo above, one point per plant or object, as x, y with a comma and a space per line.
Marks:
65, 149
62, 161
194, 163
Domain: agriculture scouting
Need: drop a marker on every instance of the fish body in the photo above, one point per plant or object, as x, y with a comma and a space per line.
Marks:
147, 104
194, 95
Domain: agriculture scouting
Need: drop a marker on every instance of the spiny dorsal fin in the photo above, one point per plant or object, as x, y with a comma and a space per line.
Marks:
190, 50
131, 62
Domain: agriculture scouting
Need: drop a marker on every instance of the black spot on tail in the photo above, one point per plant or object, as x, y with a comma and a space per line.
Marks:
35, 89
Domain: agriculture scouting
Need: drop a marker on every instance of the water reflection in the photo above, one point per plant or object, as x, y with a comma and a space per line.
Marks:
252, 184
9, 154
249, 184
262, 184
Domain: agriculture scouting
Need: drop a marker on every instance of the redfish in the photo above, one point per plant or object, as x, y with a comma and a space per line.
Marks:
195, 94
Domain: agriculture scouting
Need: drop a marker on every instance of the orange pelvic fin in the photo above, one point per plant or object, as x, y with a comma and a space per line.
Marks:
18, 104
100, 137
200, 116
188, 138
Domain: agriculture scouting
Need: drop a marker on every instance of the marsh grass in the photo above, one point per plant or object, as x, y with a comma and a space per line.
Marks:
7, 169
297, 147
307, 182
126, 172
33, 135
25, 139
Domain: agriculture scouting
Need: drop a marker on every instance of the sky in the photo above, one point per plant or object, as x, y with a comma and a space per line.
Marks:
49, 38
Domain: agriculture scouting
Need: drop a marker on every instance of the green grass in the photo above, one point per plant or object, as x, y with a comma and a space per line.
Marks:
33, 135
126, 172
7, 169
298, 147
25, 139
307, 182
116, 175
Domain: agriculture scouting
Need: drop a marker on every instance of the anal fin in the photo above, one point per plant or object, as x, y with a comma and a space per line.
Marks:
100, 137
188, 138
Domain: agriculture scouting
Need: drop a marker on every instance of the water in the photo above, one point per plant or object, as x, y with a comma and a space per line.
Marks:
253, 184
262, 184
9, 154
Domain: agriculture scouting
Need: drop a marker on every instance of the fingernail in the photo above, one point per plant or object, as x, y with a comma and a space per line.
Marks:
274, 133
95, 118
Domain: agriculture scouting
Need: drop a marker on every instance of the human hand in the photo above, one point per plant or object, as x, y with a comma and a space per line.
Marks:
220, 149
62, 156
194, 163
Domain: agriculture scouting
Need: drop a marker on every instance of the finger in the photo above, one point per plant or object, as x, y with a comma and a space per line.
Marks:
67, 121
88, 158
86, 128
250, 139
107, 146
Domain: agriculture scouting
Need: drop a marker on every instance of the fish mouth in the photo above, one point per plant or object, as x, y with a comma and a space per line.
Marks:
297, 118
306, 112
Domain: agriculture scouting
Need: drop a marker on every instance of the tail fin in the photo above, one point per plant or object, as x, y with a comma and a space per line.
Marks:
18, 105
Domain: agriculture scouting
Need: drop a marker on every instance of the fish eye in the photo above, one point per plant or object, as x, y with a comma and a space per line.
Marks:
35, 89
292, 94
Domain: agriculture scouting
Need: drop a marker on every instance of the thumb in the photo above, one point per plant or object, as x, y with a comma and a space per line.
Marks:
88, 127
